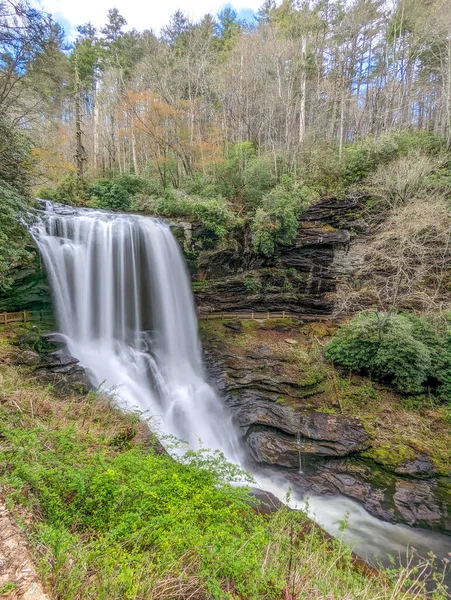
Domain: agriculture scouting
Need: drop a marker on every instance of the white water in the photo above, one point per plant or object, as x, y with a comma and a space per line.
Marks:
123, 301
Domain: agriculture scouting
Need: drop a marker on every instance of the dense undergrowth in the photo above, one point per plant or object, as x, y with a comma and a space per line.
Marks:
253, 191
110, 516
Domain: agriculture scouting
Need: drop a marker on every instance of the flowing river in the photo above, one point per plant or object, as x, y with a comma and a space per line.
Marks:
123, 302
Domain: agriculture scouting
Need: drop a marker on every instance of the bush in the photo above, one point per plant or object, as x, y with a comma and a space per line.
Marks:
404, 178
15, 161
70, 190
401, 349
109, 195
276, 223
212, 213
362, 157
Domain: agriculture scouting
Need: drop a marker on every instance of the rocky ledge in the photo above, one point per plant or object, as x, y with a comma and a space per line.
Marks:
51, 362
283, 402
301, 278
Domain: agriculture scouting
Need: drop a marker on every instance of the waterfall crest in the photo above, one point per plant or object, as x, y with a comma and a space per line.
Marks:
123, 301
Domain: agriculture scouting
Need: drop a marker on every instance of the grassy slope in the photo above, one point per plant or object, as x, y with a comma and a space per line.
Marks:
108, 517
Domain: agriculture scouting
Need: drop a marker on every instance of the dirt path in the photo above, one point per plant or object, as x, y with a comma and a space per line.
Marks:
18, 579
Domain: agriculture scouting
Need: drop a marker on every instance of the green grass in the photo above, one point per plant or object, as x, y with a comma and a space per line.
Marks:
110, 516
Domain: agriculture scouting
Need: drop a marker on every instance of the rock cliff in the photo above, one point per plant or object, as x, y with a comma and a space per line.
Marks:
347, 436
300, 278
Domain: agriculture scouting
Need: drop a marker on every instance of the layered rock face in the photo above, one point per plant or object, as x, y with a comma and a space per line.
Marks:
301, 278
290, 417
50, 362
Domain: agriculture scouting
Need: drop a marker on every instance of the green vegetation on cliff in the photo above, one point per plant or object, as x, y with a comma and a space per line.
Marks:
15, 161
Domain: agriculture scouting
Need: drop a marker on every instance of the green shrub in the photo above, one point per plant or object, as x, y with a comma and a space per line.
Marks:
70, 190
15, 166
109, 195
276, 223
131, 183
401, 349
212, 213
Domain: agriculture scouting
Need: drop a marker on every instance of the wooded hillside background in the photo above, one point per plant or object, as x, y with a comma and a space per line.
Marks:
302, 75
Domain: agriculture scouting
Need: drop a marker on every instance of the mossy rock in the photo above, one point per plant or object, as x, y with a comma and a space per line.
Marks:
310, 377
390, 455
34, 340
276, 324
321, 329
252, 325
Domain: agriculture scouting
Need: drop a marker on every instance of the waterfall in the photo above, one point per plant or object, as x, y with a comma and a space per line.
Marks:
299, 447
123, 302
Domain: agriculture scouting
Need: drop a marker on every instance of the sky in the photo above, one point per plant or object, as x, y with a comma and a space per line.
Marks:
140, 14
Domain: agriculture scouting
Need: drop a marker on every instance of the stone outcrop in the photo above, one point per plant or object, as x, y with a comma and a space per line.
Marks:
277, 407
300, 278
52, 363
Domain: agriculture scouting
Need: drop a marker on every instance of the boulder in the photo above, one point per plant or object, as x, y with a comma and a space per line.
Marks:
267, 503
420, 467
29, 358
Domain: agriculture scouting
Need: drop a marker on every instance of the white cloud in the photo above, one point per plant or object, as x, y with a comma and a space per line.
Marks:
147, 14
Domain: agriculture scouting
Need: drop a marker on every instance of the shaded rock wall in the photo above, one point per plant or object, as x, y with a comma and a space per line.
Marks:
29, 290
300, 278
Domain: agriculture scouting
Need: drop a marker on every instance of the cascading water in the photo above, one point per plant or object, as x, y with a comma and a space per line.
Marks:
123, 302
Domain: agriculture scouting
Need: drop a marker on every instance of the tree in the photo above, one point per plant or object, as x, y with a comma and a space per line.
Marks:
15, 163
24, 34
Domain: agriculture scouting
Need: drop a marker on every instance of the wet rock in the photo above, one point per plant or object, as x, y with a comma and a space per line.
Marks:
267, 447
261, 408
267, 502
315, 434
234, 325
59, 359
55, 367
352, 479
67, 378
56, 339
417, 504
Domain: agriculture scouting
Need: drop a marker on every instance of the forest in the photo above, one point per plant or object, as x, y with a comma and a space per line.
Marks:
303, 161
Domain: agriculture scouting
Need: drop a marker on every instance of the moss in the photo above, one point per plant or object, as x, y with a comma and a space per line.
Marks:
276, 323
321, 329
390, 454
310, 377
249, 326
196, 286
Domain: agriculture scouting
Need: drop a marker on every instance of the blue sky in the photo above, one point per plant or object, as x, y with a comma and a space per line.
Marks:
140, 14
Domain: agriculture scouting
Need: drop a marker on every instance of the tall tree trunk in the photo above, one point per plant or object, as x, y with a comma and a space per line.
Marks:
80, 153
